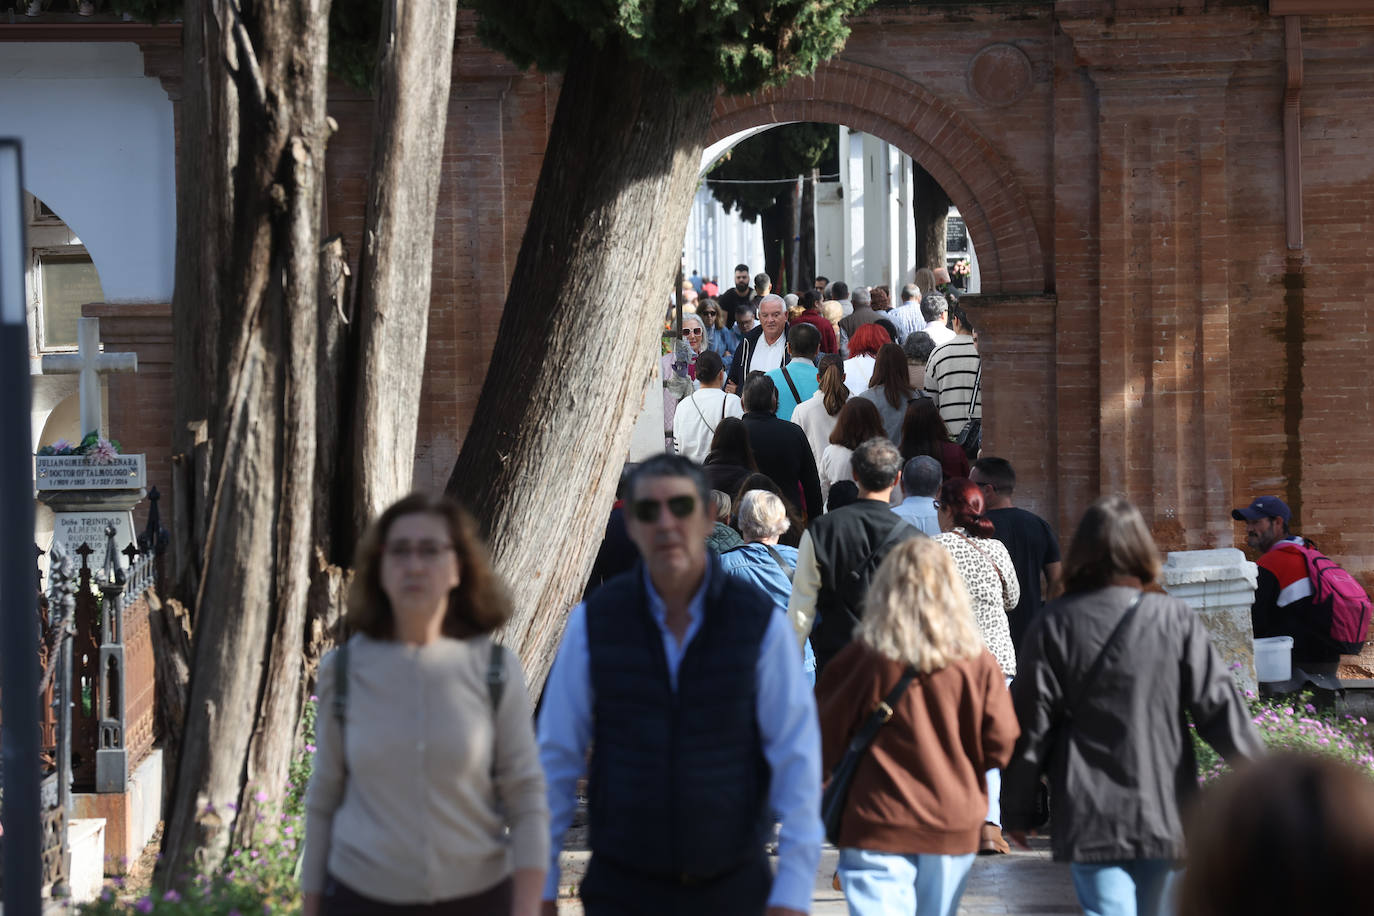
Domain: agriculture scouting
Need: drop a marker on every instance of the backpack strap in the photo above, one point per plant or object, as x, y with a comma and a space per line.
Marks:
796, 395
856, 574
496, 677
777, 558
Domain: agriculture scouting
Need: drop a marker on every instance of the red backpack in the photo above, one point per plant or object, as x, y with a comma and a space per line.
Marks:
1336, 592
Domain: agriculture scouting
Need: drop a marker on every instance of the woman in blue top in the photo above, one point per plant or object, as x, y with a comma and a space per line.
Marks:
719, 338
764, 562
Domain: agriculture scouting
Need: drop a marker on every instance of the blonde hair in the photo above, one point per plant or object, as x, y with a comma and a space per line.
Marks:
833, 311
918, 610
761, 515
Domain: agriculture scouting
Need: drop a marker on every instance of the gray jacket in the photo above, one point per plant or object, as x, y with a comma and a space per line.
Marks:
1122, 768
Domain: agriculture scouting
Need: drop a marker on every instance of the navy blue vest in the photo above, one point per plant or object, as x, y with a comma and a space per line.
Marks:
679, 783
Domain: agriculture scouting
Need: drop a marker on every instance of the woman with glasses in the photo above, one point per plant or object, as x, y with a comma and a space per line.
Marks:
988, 574
427, 795
917, 800
719, 338
680, 368
1114, 684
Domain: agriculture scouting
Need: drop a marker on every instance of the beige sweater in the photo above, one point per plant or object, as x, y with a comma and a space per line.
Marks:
416, 817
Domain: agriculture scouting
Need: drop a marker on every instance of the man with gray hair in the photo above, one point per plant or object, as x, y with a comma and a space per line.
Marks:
842, 549
921, 479
763, 348
935, 308
863, 313
908, 316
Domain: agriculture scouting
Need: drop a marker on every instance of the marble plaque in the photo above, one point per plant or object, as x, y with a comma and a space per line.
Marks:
75, 528
77, 472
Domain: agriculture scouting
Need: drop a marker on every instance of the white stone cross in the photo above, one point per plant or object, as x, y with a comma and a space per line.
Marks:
89, 363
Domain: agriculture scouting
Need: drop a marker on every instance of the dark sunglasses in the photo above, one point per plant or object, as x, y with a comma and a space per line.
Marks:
710, 313
648, 510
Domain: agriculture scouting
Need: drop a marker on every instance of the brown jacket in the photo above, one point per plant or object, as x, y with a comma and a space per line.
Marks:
921, 787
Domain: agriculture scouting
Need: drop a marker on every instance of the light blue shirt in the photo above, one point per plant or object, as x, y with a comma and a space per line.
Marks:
920, 511
803, 373
786, 713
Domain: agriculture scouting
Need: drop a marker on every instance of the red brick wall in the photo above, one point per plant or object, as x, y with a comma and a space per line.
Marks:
1146, 329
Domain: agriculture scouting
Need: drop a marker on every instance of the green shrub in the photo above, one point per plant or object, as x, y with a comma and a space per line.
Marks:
261, 878
1294, 724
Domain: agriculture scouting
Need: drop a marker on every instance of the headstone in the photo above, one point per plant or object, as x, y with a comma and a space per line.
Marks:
1220, 586
86, 494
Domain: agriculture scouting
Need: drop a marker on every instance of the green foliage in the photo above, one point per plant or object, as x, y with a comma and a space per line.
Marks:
781, 152
1294, 724
737, 45
354, 29
261, 877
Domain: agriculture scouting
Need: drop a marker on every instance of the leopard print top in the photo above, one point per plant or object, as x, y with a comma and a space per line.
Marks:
980, 560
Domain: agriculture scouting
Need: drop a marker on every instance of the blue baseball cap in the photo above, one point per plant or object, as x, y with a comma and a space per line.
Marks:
1263, 507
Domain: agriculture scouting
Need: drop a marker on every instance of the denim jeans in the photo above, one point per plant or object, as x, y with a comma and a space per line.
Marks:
1136, 887
881, 883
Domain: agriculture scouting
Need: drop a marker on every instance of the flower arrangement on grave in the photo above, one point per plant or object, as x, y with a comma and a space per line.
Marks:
960, 271
95, 447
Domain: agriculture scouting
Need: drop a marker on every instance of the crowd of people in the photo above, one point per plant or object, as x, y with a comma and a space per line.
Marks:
821, 599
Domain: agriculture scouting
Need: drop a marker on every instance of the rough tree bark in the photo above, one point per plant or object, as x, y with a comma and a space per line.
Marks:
263, 360
806, 273
394, 276
540, 470
248, 257
931, 209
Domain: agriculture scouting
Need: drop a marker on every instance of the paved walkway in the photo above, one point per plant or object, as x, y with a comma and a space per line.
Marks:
1019, 884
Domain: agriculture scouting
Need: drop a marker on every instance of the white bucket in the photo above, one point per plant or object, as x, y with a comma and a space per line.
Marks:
1274, 658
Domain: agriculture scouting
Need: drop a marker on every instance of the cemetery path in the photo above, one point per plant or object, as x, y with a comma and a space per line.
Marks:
1019, 884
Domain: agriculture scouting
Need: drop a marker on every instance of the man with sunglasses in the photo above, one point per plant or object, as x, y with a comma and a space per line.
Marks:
686, 686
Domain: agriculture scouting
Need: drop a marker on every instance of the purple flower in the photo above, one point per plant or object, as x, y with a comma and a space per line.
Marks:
145, 905
103, 453
260, 797
313, 698
171, 897
310, 748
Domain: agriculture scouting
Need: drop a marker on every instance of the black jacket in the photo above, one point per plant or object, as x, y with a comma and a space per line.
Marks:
740, 367
1120, 770
784, 455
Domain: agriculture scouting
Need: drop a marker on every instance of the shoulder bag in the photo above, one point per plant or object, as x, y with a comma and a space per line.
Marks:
836, 794
970, 438
787, 376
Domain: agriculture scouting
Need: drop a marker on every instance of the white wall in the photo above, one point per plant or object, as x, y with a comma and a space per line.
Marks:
99, 151
716, 241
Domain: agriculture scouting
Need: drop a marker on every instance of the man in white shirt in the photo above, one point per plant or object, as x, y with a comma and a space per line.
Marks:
697, 416
921, 479
763, 348
935, 308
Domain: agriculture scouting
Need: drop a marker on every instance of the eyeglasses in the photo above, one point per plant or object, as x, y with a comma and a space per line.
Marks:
691, 332
710, 313
424, 551
648, 510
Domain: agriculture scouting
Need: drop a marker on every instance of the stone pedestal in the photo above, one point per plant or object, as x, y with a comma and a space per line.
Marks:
80, 516
1220, 586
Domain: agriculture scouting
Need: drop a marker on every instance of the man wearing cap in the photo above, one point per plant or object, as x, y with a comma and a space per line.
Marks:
1283, 593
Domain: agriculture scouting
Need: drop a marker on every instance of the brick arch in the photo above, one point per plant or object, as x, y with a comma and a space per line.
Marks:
931, 132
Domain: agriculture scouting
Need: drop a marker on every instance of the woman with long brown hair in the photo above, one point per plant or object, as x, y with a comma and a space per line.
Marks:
427, 795
889, 388
924, 433
858, 422
1109, 678
817, 415
990, 577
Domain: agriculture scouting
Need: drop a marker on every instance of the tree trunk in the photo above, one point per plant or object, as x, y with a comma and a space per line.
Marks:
415, 58
248, 257
774, 224
931, 208
806, 272
558, 403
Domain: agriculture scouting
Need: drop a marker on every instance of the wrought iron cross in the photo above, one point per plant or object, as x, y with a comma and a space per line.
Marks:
88, 362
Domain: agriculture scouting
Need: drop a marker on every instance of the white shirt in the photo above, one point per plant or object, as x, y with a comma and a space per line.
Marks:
834, 467
696, 419
858, 370
810, 415
939, 332
768, 356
